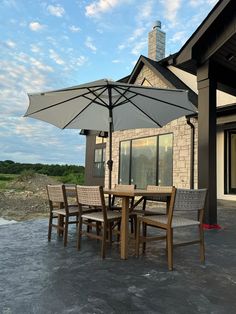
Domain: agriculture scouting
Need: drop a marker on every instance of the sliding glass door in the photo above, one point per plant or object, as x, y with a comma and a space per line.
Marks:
143, 166
146, 161
124, 168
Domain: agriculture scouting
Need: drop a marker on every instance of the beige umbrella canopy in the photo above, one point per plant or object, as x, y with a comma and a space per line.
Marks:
109, 106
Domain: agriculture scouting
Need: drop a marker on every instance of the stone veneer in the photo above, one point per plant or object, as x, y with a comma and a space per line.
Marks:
181, 140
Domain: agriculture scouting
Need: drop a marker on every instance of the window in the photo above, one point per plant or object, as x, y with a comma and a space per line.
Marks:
100, 140
165, 160
231, 162
143, 166
124, 167
147, 161
99, 162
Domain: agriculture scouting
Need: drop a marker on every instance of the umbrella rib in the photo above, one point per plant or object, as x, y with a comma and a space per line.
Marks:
62, 102
141, 110
149, 87
93, 92
125, 101
121, 95
82, 110
96, 102
77, 88
156, 99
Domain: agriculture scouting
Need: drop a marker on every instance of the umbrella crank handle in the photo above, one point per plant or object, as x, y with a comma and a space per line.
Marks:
110, 164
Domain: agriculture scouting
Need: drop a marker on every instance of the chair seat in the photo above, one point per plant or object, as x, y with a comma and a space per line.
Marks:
61, 211
73, 209
98, 216
150, 212
176, 221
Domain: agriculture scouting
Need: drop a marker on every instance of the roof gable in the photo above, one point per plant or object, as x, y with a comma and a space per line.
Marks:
169, 78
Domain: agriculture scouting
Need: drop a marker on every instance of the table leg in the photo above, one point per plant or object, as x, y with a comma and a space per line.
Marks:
124, 228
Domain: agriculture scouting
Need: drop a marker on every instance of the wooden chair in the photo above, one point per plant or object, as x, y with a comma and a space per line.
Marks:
94, 196
71, 195
162, 199
181, 201
60, 210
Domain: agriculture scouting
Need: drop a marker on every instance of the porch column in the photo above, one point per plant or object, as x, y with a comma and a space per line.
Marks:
207, 139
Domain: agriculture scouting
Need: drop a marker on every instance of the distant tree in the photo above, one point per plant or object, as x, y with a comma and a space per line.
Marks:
11, 167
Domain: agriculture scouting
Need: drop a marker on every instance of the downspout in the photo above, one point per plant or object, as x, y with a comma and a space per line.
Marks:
191, 152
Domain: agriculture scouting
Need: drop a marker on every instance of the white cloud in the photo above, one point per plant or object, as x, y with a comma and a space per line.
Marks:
56, 10
180, 36
89, 43
74, 29
171, 8
41, 66
212, 2
36, 26
137, 33
198, 3
81, 60
138, 47
34, 48
121, 46
134, 39
55, 57
116, 61
101, 6
145, 10
10, 44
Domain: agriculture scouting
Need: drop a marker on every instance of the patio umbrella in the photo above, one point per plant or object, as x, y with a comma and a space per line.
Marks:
109, 106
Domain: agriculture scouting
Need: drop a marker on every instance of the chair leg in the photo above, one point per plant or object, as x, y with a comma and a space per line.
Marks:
110, 232
202, 245
79, 233
77, 220
89, 226
50, 228
144, 236
104, 237
66, 231
61, 224
97, 228
137, 237
132, 225
118, 233
170, 248
135, 226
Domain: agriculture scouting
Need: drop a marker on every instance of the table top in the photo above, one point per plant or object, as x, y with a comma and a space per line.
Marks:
136, 192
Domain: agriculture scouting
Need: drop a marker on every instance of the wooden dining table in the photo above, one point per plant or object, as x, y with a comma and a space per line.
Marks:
125, 196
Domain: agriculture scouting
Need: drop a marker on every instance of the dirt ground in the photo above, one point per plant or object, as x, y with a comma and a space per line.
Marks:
23, 200
27, 199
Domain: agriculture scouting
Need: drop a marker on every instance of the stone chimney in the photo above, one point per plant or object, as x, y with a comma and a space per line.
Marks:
156, 42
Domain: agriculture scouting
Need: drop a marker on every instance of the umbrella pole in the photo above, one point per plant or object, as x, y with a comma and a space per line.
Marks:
110, 162
110, 155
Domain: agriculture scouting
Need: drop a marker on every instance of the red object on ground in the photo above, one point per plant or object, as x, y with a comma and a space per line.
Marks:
216, 226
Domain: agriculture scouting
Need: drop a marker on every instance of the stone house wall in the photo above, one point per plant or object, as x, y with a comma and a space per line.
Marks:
181, 140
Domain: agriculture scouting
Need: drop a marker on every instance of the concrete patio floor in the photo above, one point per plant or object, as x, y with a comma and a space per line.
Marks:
41, 277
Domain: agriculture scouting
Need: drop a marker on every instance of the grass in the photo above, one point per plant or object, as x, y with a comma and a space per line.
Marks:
5, 179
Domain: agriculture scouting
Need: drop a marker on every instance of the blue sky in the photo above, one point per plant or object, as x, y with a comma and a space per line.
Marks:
47, 45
